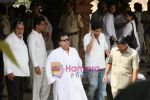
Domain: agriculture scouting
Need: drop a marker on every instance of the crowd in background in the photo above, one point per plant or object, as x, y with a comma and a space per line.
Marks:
110, 24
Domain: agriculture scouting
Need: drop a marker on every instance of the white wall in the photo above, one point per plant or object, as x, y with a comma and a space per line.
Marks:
143, 2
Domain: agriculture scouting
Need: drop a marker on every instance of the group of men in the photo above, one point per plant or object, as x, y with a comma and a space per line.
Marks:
15, 74
67, 85
36, 49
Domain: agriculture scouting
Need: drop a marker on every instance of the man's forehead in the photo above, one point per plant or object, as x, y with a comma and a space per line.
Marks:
36, 6
64, 37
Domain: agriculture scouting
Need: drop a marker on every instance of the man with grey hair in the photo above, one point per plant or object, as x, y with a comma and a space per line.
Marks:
14, 75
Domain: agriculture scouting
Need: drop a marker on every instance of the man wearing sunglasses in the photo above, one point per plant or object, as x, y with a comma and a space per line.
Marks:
63, 69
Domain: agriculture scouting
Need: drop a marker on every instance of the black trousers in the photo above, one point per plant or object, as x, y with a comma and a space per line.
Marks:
1, 74
15, 88
1, 85
109, 93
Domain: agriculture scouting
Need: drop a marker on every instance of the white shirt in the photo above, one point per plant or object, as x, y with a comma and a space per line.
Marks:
37, 49
20, 52
108, 25
127, 30
96, 57
69, 85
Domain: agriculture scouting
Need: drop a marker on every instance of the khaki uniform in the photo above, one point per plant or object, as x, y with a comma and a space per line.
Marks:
122, 68
71, 24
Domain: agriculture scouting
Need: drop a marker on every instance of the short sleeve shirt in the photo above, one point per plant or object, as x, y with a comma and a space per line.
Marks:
122, 66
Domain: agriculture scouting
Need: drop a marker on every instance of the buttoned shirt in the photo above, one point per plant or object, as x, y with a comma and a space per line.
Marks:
123, 65
20, 52
96, 57
70, 23
37, 49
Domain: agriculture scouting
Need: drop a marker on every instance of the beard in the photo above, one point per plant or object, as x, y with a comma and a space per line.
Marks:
20, 35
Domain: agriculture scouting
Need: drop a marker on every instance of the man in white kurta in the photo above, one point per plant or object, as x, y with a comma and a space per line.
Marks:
67, 85
108, 25
14, 75
38, 55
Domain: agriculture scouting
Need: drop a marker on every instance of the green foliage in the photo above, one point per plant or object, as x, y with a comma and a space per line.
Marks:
4, 47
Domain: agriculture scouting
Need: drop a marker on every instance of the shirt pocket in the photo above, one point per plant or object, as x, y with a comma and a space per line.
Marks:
126, 62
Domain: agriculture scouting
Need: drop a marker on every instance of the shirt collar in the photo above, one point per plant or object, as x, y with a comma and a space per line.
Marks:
129, 50
17, 36
36, 32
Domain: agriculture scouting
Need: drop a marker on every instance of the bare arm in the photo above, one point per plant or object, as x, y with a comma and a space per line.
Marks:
108, 67
107, 52
135, 65
134, 75
113, 38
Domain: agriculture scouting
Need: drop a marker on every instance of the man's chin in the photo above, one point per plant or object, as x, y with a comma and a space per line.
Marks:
96, 36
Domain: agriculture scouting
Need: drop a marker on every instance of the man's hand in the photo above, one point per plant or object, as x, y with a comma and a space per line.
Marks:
113, 38
105, 78
10, 76
37, 70
93, 37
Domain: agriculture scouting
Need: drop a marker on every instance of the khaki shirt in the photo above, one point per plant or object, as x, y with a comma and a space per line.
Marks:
122, 66
70, 23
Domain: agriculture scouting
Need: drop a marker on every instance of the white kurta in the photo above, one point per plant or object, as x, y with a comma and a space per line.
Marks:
20, 52
38, 55
109, 27
69, 86
37, 49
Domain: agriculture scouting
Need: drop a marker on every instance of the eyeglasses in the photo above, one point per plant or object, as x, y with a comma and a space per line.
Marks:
65, 40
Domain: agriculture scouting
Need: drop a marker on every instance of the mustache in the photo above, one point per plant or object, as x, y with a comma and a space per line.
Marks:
120, 49
20, 33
